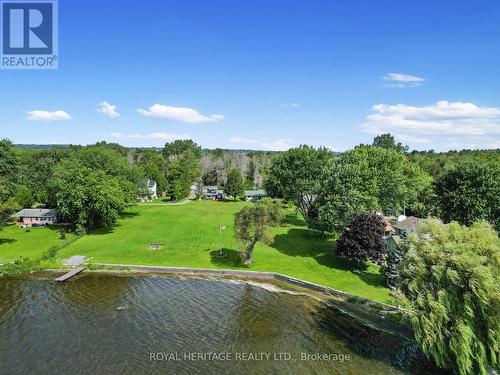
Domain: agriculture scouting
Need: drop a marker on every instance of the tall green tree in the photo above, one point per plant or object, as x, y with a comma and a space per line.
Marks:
368, 179
234, 184
178, 147
8, 179
468, 192
24, 198
450, 274
87, 197
387, 141
296, 175
182, 173
183, 167
153, 166
253, 224
36, 167
106, 158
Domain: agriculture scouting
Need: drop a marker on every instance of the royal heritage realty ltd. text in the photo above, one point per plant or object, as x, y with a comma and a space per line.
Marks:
244, 356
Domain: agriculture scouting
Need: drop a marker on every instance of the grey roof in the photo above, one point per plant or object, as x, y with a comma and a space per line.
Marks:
410, 223
150, 183
215, 191
253, 193
36, 212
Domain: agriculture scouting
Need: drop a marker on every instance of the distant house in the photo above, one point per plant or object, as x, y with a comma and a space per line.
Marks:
255, 195
149, 192
401, 229
36, 217
408, 226
211, 192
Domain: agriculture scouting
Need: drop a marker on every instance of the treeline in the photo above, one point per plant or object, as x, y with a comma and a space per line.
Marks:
253, 166
435, 162
328, 189
91, 185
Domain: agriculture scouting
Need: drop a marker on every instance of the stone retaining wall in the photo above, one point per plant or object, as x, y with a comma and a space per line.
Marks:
251, 275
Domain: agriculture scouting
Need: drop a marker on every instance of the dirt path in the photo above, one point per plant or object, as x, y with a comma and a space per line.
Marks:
185, 201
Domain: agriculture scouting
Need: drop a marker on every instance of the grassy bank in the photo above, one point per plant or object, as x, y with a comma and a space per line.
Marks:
190, 234
29, 242
191, 237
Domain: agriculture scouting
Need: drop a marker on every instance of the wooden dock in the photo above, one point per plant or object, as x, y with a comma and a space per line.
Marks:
70, 274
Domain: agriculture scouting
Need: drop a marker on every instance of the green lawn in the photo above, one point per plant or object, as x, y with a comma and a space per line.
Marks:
191, 236
29, 243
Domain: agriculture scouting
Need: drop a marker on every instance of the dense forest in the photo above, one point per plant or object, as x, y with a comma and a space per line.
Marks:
435, 162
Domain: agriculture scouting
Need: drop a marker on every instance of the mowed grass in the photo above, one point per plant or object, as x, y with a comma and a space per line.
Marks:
29, 243
191, 236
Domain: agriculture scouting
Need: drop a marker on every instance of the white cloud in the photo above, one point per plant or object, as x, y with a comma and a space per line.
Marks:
406, 138
151, 136
244, 141
493, 144
182, 114
290, 105
401, 80
276, 145
108, 109
39, 115
467, 120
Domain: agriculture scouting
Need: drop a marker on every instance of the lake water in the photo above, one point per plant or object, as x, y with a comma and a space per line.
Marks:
115, 324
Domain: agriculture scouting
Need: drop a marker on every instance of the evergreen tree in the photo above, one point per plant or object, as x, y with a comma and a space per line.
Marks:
234, 184
390, 268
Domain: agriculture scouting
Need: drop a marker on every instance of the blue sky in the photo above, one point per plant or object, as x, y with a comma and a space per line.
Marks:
264, 74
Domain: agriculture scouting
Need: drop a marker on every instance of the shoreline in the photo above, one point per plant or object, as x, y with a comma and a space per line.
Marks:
371, 314
259, 275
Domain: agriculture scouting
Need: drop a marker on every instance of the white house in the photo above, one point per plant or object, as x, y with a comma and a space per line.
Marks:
149, 189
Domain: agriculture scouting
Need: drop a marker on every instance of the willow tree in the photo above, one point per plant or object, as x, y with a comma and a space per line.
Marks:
450, 274
253, 224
